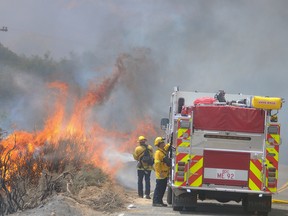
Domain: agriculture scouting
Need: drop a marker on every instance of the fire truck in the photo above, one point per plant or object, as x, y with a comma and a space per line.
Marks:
223, 150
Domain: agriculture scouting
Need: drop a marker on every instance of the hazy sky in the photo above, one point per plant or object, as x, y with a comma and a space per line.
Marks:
205, 45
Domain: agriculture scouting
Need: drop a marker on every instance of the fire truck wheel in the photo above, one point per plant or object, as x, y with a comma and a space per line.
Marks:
177, 208
169, 195
245, 204
189, 209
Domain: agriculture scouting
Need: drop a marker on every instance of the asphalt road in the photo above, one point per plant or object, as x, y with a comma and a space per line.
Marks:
143, 207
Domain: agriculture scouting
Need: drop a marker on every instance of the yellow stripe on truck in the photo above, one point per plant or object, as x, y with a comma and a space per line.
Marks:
255, 175
184, 159
196, 170
276, 137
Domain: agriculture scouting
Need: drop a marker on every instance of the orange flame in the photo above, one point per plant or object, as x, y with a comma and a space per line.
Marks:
86, 144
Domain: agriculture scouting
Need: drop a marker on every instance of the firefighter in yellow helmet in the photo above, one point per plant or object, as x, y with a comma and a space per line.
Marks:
144, 155
162, 168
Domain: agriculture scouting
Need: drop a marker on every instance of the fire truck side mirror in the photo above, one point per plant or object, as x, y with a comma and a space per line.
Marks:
164, 123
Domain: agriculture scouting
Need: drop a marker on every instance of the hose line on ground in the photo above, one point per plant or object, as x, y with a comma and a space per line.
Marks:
281, 189
279, 201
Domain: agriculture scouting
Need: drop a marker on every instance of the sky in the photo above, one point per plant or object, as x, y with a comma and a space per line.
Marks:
205, 45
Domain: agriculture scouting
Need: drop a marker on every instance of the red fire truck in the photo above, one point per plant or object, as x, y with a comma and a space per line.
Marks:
223, 150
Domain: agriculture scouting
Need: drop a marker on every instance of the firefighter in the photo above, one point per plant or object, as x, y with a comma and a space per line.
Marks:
144, 167
162, 168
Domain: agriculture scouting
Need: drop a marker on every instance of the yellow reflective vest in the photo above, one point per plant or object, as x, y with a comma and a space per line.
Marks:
161, 169
138, 153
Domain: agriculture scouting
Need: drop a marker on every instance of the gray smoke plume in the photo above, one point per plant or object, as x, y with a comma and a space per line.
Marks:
238, 46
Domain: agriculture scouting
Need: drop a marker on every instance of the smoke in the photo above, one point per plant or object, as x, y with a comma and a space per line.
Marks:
238, 46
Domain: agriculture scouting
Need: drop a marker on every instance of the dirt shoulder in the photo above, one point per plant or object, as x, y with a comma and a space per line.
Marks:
85, 205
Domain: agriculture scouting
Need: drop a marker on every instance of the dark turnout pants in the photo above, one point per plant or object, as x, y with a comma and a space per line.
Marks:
159, 191
146, 175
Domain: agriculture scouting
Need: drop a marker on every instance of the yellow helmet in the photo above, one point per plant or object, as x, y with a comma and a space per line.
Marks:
158, 140
141, 138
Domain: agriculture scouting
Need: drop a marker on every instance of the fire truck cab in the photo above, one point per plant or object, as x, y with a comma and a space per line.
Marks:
225, 151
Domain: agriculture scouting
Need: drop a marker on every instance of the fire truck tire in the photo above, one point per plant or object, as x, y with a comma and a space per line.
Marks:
174, 203
257, 206
169, 195
263, 213
245, 204
190, 208
260, 213
177, 208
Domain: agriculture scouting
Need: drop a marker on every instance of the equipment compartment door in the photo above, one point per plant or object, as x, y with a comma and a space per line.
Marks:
226, 168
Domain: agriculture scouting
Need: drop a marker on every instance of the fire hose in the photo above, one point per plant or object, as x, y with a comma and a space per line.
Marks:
281, 189
279, 201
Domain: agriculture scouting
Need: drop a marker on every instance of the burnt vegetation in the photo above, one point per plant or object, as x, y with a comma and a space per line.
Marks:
29, 179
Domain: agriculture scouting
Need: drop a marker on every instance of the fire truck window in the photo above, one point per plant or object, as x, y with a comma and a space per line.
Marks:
164, 123
181, 102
